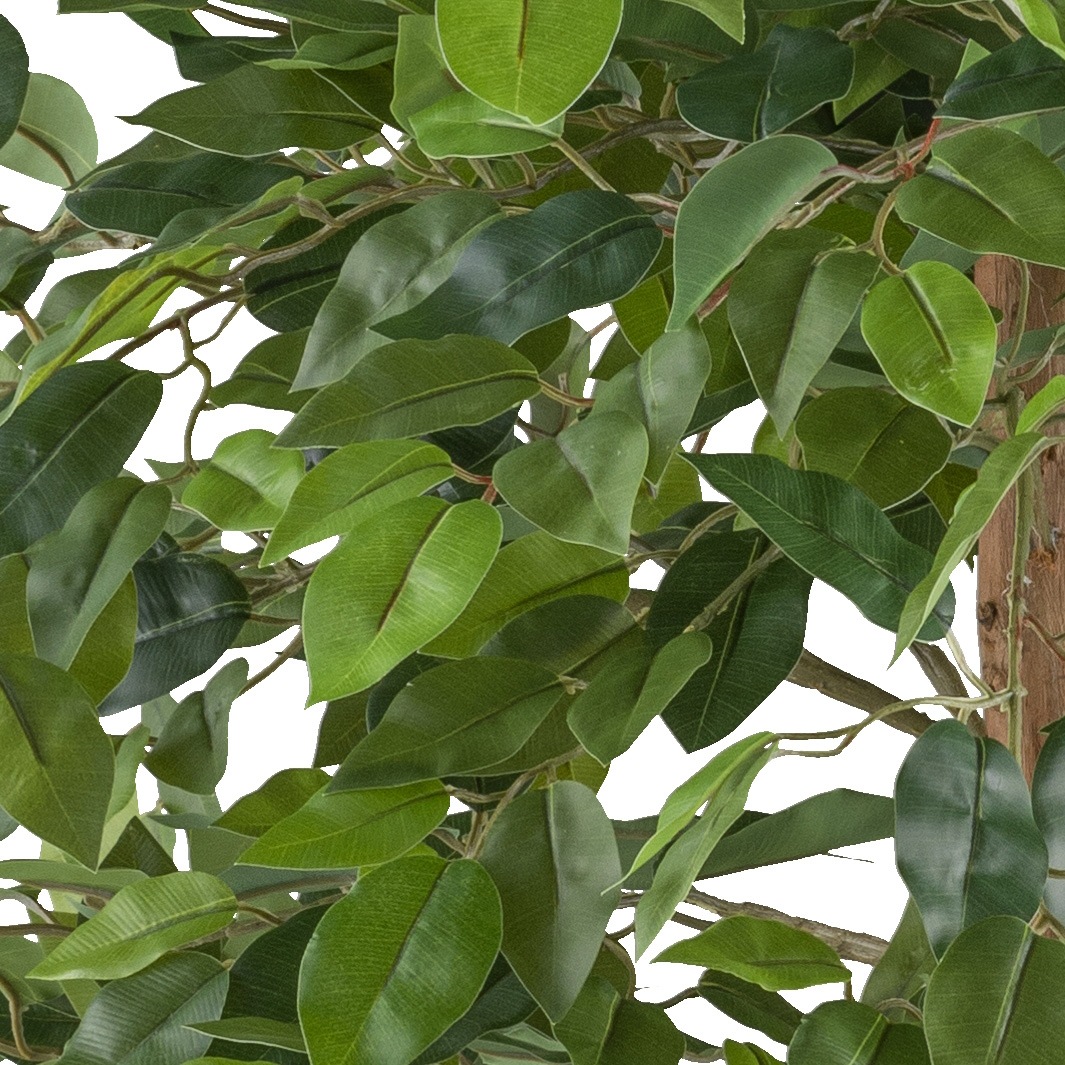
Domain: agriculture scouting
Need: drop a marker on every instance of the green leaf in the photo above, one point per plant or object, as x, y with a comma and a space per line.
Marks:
411, 918
998, 995
581, 485
193, 747
258, 1031
140, 924
974, 510
283, 794
1048, 782
15, 64
873, 439
461, 717
849, 1033
55, 141
903, 970
625, 696
427, 561
966, 843
738, 202
748, 97
750, 1005
71, 433
1042, 406
772, 955
247, 483
577, 250
393, 266
552, 855
747, 1054
352, 486
528, 572
256, 110
144, 1018
728, 14
190, 609
660, 391
75, 572
831, 529
789, 307
757, 638
263, 378
63, 876
968, 194
345, 830
46, 718
1022, 78
412, 387
534, 60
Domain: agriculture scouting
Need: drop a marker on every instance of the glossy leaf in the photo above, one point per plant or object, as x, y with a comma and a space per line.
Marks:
45, 716
427, 562
739, 202
353, 485
15, 64
459, 718
351, 828
247, 484
263, 378
877, 441
751, 96
553, 858
581, 485
533, 60
140, 924
997, 995
728, 14
772, 955
420, 247
428, 933
750, 1005
1042, 406
257, 1031
849, 1033
789, 307
283, 794
576, 250
974, 510
71, 433
831, 529
966, 843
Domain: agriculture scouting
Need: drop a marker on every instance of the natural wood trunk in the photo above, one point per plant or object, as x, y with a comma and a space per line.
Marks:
1042, 672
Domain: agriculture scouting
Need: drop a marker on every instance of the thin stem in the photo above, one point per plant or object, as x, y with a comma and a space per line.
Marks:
174, 322
292, 648
901, 1004
205, 391
28, 322
584, 166
678, 998
564, 398
245, 20
730, 510
960, 660
877, 238
751, 573
263, 915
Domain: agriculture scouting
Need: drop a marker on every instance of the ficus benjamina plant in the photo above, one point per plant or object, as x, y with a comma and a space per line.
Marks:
851, 213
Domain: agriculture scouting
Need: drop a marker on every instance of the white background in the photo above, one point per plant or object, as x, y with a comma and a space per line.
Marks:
119, 69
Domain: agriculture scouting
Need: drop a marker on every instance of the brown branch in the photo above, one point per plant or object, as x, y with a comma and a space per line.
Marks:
945, 678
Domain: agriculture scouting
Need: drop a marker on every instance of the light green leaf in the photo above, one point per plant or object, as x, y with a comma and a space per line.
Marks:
581, 485
345, 830
535, 59
974, 510
63, 876
772, 955
738, 203
140, 924
283, 794
553, 858
383, 595
850, 1033
966, 843
247, 484
412, 387
1042, 406
393, 266
458, 718
351, 486
77, 571
427, 931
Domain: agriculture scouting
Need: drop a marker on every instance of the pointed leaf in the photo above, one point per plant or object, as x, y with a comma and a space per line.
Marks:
283, 794
263, 378
849, 1033
426, 561
463, 125
1042, 406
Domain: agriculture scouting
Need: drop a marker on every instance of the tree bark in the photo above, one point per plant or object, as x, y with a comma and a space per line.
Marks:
1042, 672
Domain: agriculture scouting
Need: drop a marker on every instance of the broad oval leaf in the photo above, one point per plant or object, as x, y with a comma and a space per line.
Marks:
997, 995
772, 955
533, 59
966, 842
428, 932
581, 485
46, 718
934, 338
552, 855
15, 64
140, 924
412, 387
732, 207
850, 1033
831, 529
350, 829
577, 250
459, 718
427, 561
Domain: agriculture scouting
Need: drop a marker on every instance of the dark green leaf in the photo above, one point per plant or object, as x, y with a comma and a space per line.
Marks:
263, 378
283, 794
1048, 786
903, 970
849, 1033
750, 1005
15, 64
